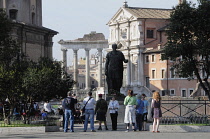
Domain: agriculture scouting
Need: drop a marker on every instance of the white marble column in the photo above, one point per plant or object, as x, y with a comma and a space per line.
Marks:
100, 67
140, 67
87, 66
75, 67
118, 32
128, 82
129, 59
4, 4
132, 69
64, 59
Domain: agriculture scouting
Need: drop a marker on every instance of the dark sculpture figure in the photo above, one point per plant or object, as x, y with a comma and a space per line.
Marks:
114, 69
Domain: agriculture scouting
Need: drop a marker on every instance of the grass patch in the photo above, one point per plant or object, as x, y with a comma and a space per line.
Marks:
19, 124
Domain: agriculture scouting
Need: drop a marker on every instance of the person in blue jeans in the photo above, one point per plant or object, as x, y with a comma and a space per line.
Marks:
145, 111
68, 105
139, 112
89, 104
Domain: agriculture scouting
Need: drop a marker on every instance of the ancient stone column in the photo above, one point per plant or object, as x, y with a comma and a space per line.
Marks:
100, 67
4, 4
64, 65
75, 68
87, 66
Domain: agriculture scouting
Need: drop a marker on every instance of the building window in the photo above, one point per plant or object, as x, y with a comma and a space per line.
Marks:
147, 82
93, 82
172, 73
33, 18
191, 91
153, 58
150, 33
13, 14
124, 33
153, 73
147, 59
172, 92
164, 92
92, 74
184, 93
163, 73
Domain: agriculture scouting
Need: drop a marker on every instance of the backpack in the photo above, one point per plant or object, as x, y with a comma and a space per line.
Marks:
68, 102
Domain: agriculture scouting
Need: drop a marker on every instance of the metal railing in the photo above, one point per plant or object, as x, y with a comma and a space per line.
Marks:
185, 112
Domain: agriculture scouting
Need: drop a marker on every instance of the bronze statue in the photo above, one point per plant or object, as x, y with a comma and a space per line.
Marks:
114, 69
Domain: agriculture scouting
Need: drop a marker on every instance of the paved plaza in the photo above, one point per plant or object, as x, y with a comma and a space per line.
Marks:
109, 135
120, 134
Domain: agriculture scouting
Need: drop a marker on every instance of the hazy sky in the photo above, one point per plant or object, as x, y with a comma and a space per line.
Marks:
74, 18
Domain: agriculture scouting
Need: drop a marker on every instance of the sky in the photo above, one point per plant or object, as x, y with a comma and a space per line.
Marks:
74, 18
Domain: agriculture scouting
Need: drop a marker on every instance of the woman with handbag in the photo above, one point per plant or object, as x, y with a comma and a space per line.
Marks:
156, 111
113, 110
130, 103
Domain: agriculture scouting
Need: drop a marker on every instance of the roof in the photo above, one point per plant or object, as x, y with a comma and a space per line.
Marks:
163, 28
156, 50
37, 28
154, 13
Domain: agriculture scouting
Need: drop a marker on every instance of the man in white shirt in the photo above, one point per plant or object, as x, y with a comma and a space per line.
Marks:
89, 104
47, 107
113, 110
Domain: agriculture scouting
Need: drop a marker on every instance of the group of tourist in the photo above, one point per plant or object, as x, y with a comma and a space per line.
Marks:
136, 111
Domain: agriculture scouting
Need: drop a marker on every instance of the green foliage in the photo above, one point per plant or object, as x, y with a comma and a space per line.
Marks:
9, 49
43, 80
21, 79
189, 40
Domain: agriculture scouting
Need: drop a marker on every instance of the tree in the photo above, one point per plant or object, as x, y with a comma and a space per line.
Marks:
42, 81
21, 79
11, 67
189, 42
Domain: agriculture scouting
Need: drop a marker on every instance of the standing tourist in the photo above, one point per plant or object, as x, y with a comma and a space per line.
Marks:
145, 111
157, 114
68, 106
130, 110
101, 110
113, 110
89, 104
139, 112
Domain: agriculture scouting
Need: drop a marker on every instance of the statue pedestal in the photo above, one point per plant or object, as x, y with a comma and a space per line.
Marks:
136, 90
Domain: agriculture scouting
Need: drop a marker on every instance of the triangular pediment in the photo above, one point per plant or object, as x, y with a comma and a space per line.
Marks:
122, 15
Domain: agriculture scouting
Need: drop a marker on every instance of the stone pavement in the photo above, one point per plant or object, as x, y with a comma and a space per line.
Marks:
108, 135
120, 134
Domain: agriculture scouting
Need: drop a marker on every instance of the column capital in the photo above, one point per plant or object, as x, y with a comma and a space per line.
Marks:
75, 50
64, 49
100, 49
87, 49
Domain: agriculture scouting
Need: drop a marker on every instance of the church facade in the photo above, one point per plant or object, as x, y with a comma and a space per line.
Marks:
140, 35
34, 39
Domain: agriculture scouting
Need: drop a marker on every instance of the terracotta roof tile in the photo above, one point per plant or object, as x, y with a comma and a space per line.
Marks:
154, 13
